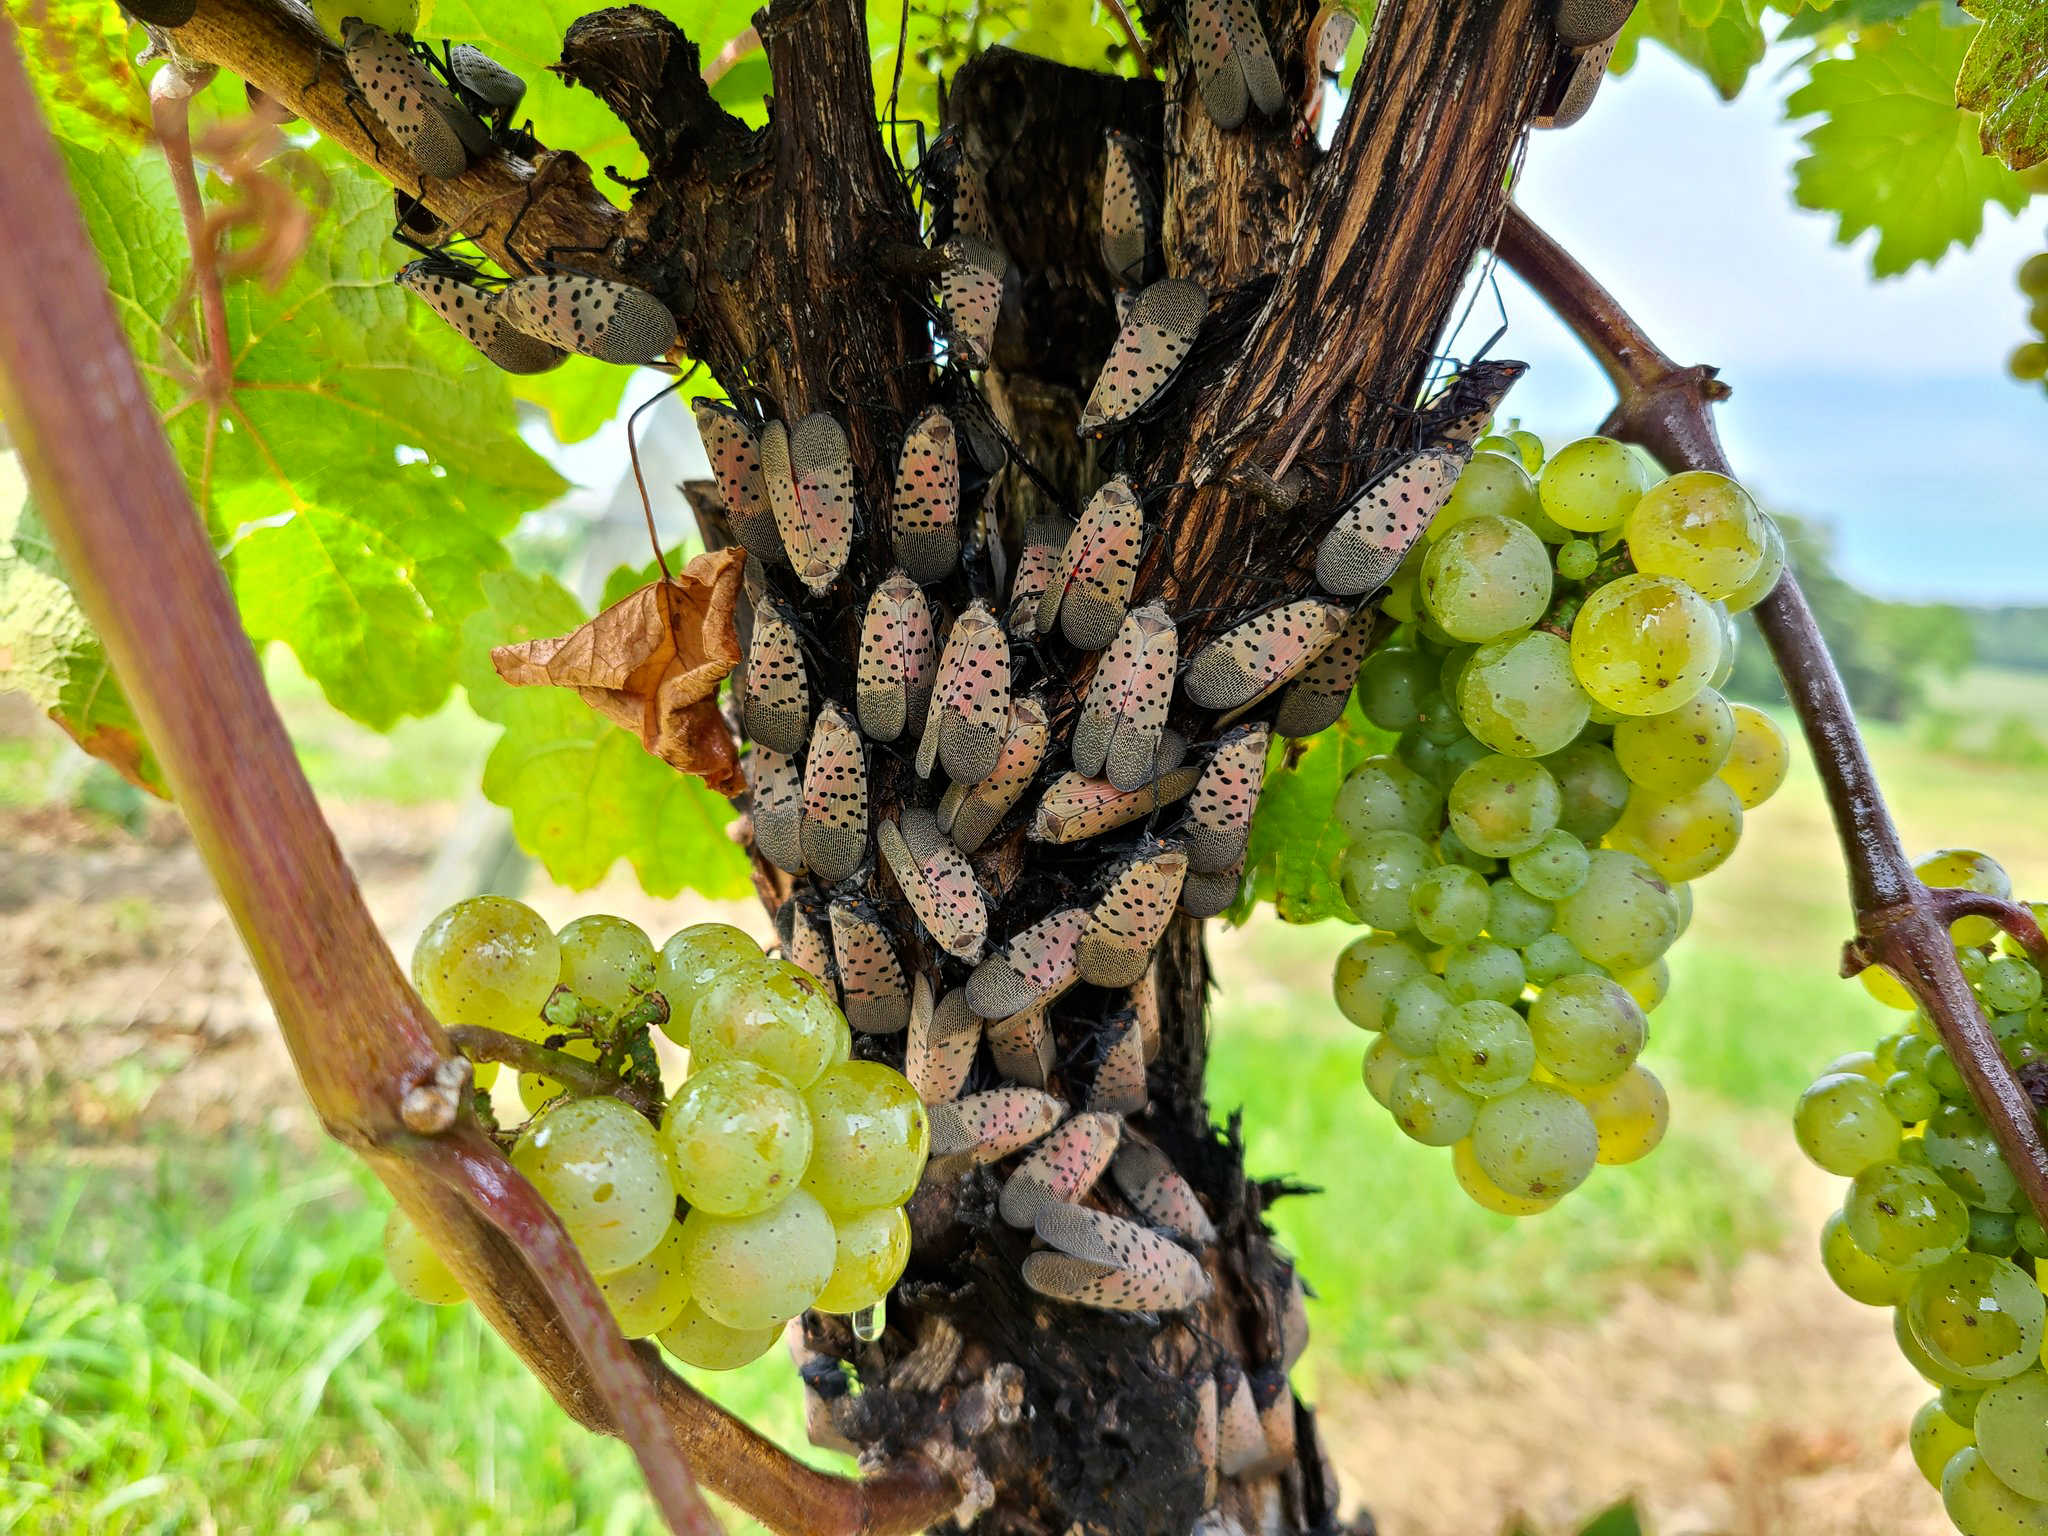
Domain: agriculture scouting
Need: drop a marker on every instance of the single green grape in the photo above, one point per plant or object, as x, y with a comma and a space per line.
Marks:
1961, 1148
1886, 988
1993, 1232
2012, 1432
1458, 756
1960, 1404
1378, 877
1979, 1316
2028, 361
1757, 757
1587, 1029
1391, 686
415, 1268
738, 1138
601, 1167
1488, 1195
1449, 904
691, 962
606, 961
1967, 869
400, 17
1517, 694
1630, 1114
869, 1253
1486, 577
648, 1296
1402, 601
2028, 1232
1855, 1273
1910, 1096
1384, 794
1680, 749
1553, 869
1934, 1439
1553, 956
1925, 1365
1429, 1105
1515, 917
1904, 1216
1576, 559
1644, 644
1501, 805
869, 1137
1844, 1125
776, 1014
2010, 985
1483, 969
1978, 1503
697, 1338
1529, 447
1699, 527
1493, 442
1415, 1014
1863, 1063
1649, 984
1382, 1060
1485, 1049
1972, 962
1941, 1071
2033, 276
1450, 672
1493, 484
1369, 970
1537, 1141
488, 961
1452, 850
1592, 485
1624, 916
1681, 836
1592, 787
759, 1271
1764, 579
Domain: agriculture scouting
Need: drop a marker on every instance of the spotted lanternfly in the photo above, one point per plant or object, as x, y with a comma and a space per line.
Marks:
1130, 211
490, 82
1581, 23
1061, 1169
969, 812
970, 708
899, 657
444, 287
736, 465
939, 1050
1119, 1086
1158, 1193
1587, 69
937, 881
1021, 1048
1293, 1320
1123, 717
776, 708
924, 516
1034, 968
1098, 567
1206, 894
1038, 565
1241, 1440
1333, 30
971, 297
985, 1127
1154, 340
1220, 810
1205, 1436
1456, 415
872, 991
1075, 807
1233, 61
612, 322
1127, 920
809, 470
1105, 1261
835, 824
1314, 700
806, 938
1274, 1400
778, 807
1261, 654
423, 115
1144, 1002
1382, 522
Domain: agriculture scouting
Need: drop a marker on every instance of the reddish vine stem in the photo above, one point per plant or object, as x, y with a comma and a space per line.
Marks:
170, 114
1900, 923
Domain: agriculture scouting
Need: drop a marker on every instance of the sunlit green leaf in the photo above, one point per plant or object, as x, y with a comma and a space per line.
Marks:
1296, 846
1722, 39
2005, 77
579, 397
1623, 1519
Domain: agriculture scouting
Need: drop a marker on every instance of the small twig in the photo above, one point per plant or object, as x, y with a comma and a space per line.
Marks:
736, 48
170, 113
1952, 902
1139, 51
585, 1079
1900, 923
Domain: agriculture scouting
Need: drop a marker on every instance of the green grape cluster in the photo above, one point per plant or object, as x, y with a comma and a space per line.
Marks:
2029, 360
1565, 767
1935, 1226
774, 1179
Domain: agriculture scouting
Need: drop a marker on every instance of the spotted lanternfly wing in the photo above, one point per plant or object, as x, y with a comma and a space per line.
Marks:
1061, 1169
986, 1127
1333, 40
1206, 894
1581, 23
970, 201
776, 707
1098, 567
1587, 69
835, 823
969, 812
899, 656
1261, 654
1038, 565
1220, 810
1130, 211
1144, 1002
1293, 1320
473, 312
419, 112
485, 78
970, 708
1205, 1436
924, 516
778, 807
1034, 968
1156, 337
1233, 61
1134, 1270
1314, 700
809, 470
1127, 920
872, 990
1274, 1400
1123, 716
1241, 1440
613, 322
937, 881
1158, 1193
807, 939
1021, 1048
1382, 522
736, 465
939, 1050
1119, 1087
971, 297
1075, 807
1457, 415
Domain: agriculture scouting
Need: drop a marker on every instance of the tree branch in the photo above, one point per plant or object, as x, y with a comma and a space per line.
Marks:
1900, 923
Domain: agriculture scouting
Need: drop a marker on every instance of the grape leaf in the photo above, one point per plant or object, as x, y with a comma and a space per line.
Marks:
1623, 1519
582, 792
1722, 39
80, 56
579, 397
2005, 77
1844, 15
1893, 153
1296, 845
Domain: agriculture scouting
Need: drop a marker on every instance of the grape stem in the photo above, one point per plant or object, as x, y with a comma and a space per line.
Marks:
584, 1079
1900, 923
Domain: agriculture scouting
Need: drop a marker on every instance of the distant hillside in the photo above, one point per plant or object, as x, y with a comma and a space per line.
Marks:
2011, 637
